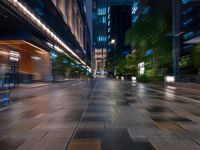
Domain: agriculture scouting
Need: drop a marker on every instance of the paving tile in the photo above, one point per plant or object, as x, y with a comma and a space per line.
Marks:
181, 119
197, 141
95, 118
45, 144
10, 143
93, 124
125, 144
147, 133
85, 144
157, 109
172, 144
183, 134
89, 134
167, 125
160, 118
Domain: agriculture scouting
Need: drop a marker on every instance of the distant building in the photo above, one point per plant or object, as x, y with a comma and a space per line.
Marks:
190, 29
100, 10
190, 24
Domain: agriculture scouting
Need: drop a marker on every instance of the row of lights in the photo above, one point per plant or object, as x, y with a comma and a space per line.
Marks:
41, 25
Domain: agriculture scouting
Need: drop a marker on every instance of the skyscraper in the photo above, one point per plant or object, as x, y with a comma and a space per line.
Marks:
100, 11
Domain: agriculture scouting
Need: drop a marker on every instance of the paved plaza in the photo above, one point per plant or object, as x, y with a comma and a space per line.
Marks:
101, 115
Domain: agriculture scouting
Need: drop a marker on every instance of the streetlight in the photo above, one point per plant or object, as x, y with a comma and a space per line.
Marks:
113, 42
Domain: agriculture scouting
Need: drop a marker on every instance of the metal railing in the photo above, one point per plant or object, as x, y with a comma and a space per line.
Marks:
188, 78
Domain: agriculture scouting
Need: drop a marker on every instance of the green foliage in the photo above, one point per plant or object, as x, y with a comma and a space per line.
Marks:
185, 62
150, 32
147, 78
127, 65
61, 64
196, 57
65, 66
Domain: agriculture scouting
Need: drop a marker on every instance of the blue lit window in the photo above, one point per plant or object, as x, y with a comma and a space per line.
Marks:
187, 46
135, 18
188, 35
134, 8
187, 11
108, 23
108, 9
108, 16
108, 29
146, 10
185, 1
101, 38
101, 11
104, 19
187, 21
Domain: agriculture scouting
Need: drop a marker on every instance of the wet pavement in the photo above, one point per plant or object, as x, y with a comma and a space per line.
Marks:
101, 115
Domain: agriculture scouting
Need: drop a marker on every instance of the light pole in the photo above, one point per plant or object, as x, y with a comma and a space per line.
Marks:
113, 42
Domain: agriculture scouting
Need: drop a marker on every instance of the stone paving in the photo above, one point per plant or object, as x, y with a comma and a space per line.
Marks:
103, 115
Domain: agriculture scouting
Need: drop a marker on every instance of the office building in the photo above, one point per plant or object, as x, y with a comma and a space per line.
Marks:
32, 32
100, 10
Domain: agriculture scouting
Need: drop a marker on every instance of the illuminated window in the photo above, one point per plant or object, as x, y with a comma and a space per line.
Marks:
187, 11
135, 18
188, 35
108, 16
146, 10
185, 1
108, 9
104, 19
134, 8
101, 11
108, 30
108, 23
188, 21
101, 38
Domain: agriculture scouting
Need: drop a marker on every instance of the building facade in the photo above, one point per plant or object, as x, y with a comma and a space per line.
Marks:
33, 31
189, 26
100, 11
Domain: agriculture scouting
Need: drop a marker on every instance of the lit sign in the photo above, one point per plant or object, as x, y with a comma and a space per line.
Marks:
141, 67
14, 56
36, 58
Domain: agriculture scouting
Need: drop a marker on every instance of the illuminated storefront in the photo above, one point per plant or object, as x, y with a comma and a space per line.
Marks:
26, 62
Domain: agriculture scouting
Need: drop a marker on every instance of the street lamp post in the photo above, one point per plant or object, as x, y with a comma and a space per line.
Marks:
113, 42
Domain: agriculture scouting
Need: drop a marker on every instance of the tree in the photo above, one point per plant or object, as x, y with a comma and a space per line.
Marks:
149, 32
195, 58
